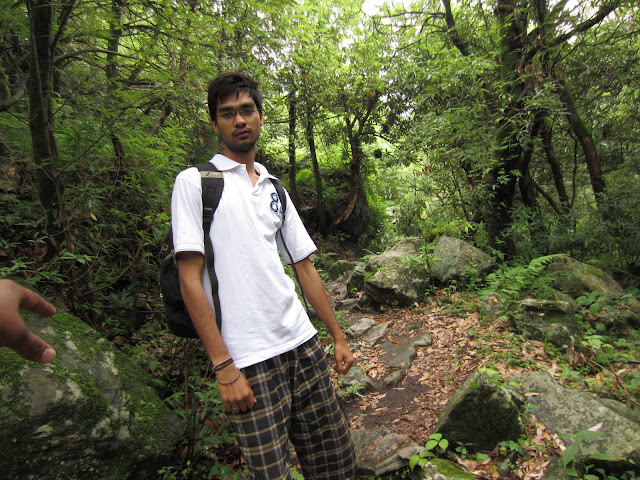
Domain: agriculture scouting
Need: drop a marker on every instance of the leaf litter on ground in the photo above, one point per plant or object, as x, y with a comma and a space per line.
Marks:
462, 344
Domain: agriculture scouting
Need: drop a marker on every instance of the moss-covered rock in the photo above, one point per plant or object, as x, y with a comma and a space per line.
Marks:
576, 279
91, 413
441, 469
480, 413
547, 321
392, 280
568, 412
459, 261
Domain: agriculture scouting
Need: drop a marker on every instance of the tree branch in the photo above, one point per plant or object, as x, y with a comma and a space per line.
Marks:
19, 93
61, 58
64, 18
452, 31
582, 27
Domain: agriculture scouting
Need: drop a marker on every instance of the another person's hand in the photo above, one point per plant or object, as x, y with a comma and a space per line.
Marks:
13, 331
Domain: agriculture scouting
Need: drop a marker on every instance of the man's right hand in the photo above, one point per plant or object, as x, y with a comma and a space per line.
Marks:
237, 396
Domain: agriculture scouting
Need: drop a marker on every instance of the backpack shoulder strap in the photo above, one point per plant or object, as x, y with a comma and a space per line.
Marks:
212, 186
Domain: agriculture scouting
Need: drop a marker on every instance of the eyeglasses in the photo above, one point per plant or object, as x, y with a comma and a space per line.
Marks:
229, 115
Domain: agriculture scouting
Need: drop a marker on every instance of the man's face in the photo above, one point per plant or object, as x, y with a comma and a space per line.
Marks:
238, 123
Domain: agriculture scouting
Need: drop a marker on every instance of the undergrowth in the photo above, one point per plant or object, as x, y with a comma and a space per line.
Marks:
604, 361
513, 281
185, 378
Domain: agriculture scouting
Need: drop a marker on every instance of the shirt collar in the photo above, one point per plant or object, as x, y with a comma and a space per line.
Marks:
225, 164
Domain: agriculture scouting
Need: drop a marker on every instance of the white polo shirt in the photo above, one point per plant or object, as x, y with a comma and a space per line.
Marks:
261, 314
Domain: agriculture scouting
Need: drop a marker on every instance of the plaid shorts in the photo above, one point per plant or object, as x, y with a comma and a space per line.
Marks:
295, 401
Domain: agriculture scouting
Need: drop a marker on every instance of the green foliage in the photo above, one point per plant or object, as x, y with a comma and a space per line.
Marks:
350, 391
419, 265
305, 182
577, 464
519, 447
604, 355
436, 445
182, 373
461, 449
513, 281
295, 475
528, 233
107, 272
608, 233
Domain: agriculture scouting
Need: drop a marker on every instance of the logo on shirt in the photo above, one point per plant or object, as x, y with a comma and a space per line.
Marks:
275, 204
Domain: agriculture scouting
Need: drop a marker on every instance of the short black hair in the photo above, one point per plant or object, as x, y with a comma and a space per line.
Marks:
232, 84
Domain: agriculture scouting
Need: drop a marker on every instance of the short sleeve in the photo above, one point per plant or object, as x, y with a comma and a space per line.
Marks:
186, 212
297, 239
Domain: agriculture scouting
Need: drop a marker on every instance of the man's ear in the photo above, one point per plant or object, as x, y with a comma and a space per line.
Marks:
214, 124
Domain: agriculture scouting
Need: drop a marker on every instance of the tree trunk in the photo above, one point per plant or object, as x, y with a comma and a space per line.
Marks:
502, 182
320, 207
586, 142
452, 32
293, 167
355, 122
347, 221
502, 179
111, 72
45, 150
556, 171
167, 110
525, 183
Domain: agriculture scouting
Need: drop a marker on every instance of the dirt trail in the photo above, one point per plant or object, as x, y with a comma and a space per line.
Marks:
461, 345
412, 408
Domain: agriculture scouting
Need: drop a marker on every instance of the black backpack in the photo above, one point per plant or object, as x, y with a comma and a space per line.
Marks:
175, 310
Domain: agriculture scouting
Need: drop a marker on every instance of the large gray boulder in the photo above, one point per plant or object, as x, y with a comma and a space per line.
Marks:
577, 279
397, 256
381, 451
566, 411
392, 288
481, 413
547, 321
354, 278
338, 268
459, 261
91, 413
394, 281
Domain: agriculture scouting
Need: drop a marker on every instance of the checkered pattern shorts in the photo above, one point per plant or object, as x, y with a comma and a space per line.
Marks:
295, 401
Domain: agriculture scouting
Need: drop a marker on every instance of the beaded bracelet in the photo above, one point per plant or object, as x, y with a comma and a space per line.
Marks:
223, 364
229, 383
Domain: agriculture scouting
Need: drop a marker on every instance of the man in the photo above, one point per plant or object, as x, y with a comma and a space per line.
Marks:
272, 373
13, 331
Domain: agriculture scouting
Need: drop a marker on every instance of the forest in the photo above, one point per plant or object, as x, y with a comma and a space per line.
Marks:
511, 124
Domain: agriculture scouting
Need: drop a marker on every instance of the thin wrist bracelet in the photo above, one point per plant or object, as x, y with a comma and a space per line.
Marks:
229, 383
223, 364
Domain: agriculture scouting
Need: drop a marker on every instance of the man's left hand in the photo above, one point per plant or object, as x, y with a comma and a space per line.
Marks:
344, 357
